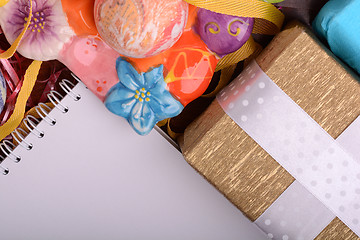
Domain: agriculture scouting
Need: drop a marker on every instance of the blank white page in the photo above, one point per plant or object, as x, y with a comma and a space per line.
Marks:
92, 177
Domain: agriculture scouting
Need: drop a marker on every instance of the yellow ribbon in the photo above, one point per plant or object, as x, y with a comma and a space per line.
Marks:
32, 112
172, 134
10, 52
272, 18
19, 111
233, 58
225, 78
28, 84
163, 122
229, 65
274, 1
3, 2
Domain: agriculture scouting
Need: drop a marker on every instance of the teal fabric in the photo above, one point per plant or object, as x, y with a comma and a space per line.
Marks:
339, 23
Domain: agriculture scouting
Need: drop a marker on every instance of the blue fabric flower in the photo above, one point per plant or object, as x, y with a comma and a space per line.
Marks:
142, 98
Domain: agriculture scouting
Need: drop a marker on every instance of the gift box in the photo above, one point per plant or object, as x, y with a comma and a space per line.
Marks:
235, 163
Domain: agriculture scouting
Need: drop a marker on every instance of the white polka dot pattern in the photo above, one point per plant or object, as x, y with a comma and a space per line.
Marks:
309, 144
296, 214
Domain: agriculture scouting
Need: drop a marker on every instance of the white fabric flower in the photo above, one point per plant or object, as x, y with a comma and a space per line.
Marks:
48, 30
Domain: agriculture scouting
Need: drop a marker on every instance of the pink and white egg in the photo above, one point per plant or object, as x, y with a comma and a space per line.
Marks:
140, 28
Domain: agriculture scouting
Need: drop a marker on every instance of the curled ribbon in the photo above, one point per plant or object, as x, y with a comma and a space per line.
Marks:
19, 110
28, 84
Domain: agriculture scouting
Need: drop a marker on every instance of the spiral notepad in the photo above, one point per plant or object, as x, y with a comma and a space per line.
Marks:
82, 173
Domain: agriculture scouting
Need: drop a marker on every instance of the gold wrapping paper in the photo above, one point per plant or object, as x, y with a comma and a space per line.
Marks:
236, 165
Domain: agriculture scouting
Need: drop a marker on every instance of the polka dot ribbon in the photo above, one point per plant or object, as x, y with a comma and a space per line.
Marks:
297, 142
296, 213
28, 84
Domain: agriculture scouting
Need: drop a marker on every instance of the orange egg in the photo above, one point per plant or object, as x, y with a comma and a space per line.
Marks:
190, 68
80, 14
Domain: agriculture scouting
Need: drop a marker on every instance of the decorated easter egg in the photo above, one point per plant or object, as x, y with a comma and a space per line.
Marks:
190, 68
2, 92
140, 28
223, 34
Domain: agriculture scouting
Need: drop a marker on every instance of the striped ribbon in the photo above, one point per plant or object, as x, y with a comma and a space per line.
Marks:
268, 19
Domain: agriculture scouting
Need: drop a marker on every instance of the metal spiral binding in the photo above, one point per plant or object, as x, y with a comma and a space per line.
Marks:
30, 123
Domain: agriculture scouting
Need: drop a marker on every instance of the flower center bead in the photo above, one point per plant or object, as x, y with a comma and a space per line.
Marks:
37, 23
142, 95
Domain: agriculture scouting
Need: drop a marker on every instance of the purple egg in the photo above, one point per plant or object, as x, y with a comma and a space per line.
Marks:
223, 34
